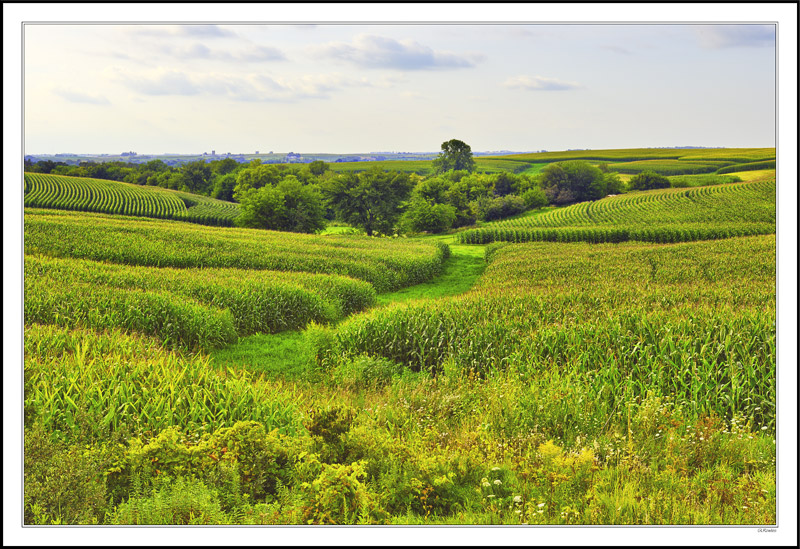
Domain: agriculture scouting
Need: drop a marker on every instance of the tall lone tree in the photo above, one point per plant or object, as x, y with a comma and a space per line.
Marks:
455, 155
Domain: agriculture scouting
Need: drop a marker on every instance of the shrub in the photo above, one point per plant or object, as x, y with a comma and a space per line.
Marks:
490, 209
646, 181
423, 215
573, 181
338, 495
63, 484
534, 198
183, 502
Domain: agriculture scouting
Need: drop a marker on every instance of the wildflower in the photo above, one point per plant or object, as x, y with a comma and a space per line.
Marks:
495, 469
540, 505
498, 482
517, 499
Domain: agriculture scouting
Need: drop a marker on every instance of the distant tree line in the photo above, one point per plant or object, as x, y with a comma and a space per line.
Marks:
306, 197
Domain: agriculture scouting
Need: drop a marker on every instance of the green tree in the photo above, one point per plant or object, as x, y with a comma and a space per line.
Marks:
504, 183
534, 198
318, 167
287, 206
573, 181
304, 210
614, 185
370, 200
197, 176
224, 187
261, 208
423, 215
455, 155
257, 175
648, 180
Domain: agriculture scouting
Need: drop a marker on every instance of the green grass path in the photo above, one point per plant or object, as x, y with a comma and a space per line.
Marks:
282, 355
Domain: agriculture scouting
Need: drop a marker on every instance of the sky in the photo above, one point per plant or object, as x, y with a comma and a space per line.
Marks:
347, 88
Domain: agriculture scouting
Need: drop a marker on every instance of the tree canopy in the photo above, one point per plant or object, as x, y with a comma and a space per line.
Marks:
371, 200
573, 181
287, 206
455, 155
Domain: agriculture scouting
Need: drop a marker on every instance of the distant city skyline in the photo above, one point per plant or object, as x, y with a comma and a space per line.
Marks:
338, 88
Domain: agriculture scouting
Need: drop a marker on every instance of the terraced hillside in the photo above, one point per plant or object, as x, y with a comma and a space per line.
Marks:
664, 215
115, 197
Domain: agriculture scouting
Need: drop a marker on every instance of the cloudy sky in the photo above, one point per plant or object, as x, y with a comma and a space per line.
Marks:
359, 88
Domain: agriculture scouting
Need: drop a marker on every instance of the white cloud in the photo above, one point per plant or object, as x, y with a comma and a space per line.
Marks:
377, 52
253, 53
539, 83
249, 87
162, 83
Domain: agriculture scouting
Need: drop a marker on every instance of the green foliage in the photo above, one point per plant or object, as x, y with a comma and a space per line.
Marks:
63, 483
288, 206
455, 155
370, 200
181, 502
491, 209
614, 185
573, 181
647, 181
534, 198
318, 167
424, 216
338, 495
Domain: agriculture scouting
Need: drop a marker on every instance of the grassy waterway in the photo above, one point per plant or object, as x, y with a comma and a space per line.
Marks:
282, 356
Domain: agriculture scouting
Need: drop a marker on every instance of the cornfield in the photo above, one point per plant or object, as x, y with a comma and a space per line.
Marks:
114, 197
665, 215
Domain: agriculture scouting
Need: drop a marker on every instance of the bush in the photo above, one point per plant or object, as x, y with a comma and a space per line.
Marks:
646, 181
186, 501
263, 460
63, 484
423, 215
573, 181
534, 198
614, 185
490, 209
338, 495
